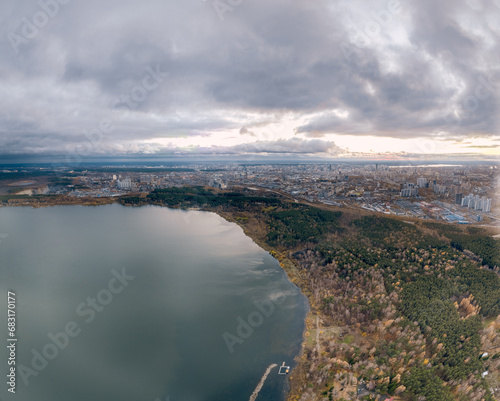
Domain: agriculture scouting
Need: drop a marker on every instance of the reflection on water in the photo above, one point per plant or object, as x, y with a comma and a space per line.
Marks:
162, 333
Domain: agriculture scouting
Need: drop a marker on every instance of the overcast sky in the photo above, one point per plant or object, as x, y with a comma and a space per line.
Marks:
299, 77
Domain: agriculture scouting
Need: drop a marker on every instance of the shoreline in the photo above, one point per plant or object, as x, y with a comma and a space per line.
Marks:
289, 273
293, 276
285, 263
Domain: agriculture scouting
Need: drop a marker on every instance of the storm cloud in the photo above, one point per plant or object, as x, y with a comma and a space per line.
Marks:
142, 77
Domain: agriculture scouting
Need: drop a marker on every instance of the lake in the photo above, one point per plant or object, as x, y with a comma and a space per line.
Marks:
143, 304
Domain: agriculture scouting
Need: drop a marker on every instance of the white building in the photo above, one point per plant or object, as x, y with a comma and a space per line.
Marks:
422, 182
487, 206
477, 203
124, 184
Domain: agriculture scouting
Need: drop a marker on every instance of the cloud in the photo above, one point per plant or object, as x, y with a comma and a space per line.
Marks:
291, 146
483, 146
430, 69
246, 131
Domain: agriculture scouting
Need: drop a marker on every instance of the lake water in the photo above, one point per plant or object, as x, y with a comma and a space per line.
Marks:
142, 304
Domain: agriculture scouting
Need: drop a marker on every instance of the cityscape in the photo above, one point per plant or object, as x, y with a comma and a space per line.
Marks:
463, 194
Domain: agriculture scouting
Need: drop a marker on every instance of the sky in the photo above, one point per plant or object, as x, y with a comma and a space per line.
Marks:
384, 79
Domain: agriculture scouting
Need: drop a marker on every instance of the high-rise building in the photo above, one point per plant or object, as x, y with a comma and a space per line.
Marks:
487, 206
472, 202
422, 182
124, 184
440, 189
409, 190
479, 205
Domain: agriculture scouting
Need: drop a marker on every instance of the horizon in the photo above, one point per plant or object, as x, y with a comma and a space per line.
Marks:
147, 162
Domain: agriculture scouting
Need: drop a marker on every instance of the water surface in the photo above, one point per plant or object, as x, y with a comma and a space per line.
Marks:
160, 336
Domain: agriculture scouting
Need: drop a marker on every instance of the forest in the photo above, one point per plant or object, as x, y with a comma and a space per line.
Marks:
419, 298
199, 197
